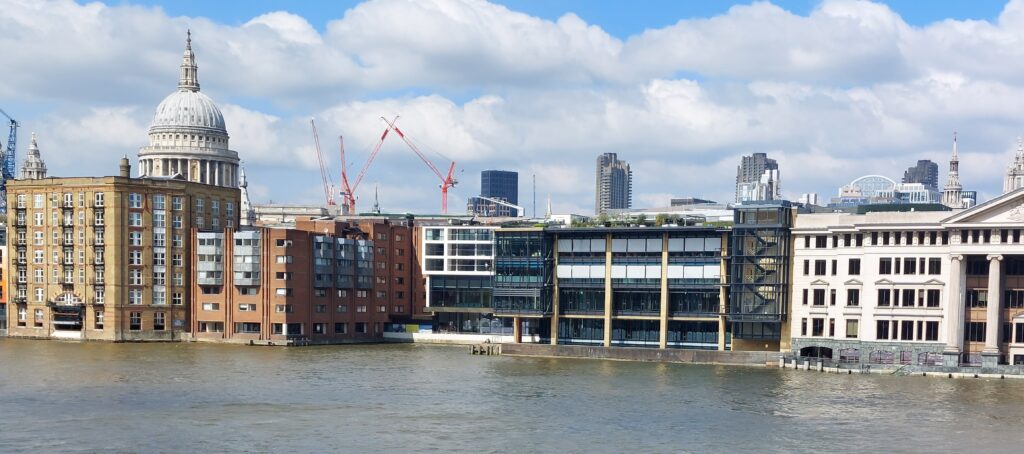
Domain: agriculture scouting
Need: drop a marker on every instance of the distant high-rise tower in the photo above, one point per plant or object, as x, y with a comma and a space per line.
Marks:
925, 172
614, 189
500, 184
757, 178
499, 195
952, 194
1015, 172
33, 168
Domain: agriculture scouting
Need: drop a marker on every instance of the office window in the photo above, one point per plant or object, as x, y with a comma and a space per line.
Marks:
832, 297
803, 300
819, 297
885, 266
851, 328
909, 265
817, 327
340, 328
908, 297
907, 330
321, 308
807, 267
974, 332
159, 321
882, 330
853, 297
977, 298
819, 267
931, 331
803, 327
135, 321
835, 267
934, 266
854, 267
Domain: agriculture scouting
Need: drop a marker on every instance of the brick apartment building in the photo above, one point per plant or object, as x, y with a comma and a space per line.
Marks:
317, 282
106, 258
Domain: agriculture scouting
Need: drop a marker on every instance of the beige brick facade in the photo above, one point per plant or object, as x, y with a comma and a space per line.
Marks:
106, 258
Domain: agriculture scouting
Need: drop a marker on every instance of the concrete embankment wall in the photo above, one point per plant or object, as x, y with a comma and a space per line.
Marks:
770, 359
448, 338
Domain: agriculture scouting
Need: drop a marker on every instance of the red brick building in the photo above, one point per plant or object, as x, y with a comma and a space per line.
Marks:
317, 282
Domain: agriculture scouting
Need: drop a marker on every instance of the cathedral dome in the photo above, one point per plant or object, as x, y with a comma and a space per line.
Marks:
188, 138
186, 109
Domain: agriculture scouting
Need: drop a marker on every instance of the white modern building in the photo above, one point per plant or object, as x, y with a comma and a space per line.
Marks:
458, 267
188, 138
913, 288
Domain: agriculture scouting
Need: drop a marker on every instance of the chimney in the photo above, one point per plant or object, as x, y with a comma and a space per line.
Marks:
126, 168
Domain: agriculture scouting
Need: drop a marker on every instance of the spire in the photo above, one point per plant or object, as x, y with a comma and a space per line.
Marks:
952, 193
33, 168
33, 148
248, 215
189, 77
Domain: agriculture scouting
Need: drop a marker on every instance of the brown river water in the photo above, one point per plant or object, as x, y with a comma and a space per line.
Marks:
89, 397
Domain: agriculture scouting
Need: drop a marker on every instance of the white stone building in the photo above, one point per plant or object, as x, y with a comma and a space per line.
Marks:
188, 138
1014, 178
33, 168
914, 288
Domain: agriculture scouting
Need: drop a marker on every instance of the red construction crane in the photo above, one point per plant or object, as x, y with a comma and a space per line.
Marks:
349, 192
328, 185
447, 181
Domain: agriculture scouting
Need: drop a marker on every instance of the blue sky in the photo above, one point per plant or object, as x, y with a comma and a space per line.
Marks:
619, 18
680, 89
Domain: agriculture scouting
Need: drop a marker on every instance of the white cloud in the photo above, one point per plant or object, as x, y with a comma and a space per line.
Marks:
849, 89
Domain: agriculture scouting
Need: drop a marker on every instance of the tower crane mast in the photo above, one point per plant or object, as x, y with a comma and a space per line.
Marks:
328, 185
9, 162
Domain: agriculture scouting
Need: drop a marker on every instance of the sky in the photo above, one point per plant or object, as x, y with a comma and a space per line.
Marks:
833, 90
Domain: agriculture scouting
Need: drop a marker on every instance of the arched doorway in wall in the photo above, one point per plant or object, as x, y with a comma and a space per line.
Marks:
816, 352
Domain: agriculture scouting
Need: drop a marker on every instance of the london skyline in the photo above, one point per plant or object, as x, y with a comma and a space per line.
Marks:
681, 113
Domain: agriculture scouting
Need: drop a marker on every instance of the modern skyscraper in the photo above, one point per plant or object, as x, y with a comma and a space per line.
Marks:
500, 184
757, 178
499, 195
614, 188
925, 172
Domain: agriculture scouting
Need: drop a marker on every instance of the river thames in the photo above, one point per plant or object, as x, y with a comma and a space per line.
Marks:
214, 398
